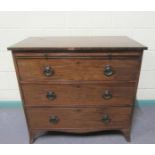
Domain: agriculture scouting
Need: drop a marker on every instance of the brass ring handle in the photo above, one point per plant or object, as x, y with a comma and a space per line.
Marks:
107, 94
48, 71
108, 71
106, 119
51, 95
54, 119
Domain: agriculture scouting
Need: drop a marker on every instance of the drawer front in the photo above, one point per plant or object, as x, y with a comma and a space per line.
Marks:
77, 69
78, 118
77, 94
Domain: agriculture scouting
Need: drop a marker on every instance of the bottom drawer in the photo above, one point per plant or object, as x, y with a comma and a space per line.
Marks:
79, 118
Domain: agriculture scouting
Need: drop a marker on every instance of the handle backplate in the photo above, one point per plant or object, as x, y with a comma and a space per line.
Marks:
51, 95
108, 71
106, 119
48, 71
54, 119
107, 95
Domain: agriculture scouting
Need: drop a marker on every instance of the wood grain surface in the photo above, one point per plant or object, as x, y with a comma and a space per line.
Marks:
39, 118
77, 43
77, 94
77, 69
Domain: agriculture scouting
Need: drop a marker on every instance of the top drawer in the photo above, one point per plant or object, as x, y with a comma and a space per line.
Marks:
37, 69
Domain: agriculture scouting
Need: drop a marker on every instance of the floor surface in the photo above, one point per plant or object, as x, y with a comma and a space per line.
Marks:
13, 130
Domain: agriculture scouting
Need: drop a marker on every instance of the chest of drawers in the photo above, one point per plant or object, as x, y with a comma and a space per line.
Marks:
78, 84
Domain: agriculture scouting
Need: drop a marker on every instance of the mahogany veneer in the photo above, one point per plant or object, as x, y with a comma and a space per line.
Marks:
78, 84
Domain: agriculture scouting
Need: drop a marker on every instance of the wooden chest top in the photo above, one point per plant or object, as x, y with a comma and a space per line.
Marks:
77, 43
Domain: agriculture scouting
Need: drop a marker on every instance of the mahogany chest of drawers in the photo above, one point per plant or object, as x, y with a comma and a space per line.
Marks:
78, 84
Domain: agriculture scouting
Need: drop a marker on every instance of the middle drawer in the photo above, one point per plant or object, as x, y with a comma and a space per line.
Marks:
77, 94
